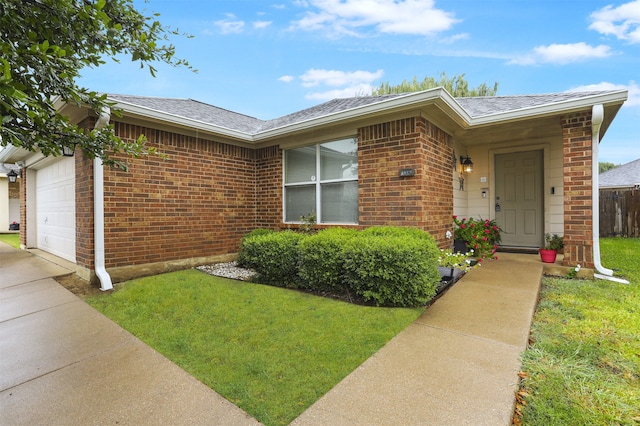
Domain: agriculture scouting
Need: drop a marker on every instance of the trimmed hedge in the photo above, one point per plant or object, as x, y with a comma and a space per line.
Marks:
387, 266
273, 255
321, 260
393, 266
247, 257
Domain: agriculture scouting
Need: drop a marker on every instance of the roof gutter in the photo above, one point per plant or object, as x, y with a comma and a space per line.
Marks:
98, 210
596, 121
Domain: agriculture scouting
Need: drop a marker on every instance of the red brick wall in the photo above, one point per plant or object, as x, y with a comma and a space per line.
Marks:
268, 187
424, 200
84, 211
578, 213
197, 202
206, 195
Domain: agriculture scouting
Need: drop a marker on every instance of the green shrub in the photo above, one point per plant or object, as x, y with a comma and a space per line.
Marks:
392, 266
273, 255
389, 266
399, 231
321, 260
246, 256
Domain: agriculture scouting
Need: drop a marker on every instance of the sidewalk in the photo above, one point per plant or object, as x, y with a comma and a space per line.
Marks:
457, 364
62, 362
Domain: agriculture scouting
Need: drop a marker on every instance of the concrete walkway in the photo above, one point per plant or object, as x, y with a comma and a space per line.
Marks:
62, 362
457, 364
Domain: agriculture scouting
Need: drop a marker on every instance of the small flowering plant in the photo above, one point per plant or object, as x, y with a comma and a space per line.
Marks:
573, 273
449, 259
481, 235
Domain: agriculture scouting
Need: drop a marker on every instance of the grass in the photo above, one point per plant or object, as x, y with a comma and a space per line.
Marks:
271, 351
11, 239
583, 365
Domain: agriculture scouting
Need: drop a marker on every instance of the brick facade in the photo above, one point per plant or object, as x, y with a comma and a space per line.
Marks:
578, 212
424, 200
199, 201
268, 187
84, 211
202, 198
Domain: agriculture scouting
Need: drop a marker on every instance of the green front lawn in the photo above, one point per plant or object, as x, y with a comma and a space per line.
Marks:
11, 239
271, 351
583, 366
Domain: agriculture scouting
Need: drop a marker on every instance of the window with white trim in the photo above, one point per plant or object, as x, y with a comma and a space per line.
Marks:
322, 179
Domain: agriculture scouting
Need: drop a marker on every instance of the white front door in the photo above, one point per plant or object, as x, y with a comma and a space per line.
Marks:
56, 208
519, 203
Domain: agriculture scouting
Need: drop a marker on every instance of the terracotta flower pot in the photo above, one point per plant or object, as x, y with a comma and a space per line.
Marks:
548, 256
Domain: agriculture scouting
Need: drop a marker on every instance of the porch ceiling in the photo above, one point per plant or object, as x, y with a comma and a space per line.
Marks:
527, 129
541, 128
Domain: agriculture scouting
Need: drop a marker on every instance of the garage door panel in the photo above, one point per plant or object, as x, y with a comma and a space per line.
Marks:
55, 208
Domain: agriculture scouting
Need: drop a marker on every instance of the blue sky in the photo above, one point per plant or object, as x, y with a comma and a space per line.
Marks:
270, 58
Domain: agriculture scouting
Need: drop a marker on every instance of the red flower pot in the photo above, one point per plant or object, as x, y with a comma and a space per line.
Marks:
548, 256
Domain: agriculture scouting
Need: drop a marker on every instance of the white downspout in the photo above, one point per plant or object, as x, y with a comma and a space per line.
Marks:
596, 121
98, 210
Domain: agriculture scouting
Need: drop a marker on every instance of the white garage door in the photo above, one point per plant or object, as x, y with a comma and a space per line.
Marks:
56, 208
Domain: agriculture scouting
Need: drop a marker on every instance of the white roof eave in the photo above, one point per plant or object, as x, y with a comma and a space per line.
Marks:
11, 154
551, 108
437, 97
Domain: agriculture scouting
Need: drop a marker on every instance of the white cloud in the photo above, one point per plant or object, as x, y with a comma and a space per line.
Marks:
454, 38
354, 17
623, 21
563, 54
315, 77
261, 24
230, 25
633, 88
331, 84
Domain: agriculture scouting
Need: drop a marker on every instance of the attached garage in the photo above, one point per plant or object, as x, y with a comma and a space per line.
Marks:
55, 191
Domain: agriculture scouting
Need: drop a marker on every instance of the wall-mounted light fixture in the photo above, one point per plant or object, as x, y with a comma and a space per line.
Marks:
466, 164
68, 150
12, 176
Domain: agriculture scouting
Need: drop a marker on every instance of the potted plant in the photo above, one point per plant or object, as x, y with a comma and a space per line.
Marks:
552, 243
452, 265
480, 235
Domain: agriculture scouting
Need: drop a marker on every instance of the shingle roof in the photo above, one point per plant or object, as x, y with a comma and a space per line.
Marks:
196, 110
625, 175
324, 109
486, 105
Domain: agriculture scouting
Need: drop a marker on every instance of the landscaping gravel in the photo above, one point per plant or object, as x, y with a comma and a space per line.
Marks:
228, 270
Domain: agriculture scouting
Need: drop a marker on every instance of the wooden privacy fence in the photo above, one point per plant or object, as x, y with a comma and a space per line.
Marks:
620, 213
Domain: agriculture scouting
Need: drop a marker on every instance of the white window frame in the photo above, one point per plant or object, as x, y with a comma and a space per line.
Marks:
318, 182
